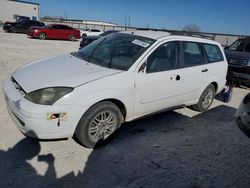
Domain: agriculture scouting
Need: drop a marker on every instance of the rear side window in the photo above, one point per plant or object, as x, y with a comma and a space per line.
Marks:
213, 53
192, 54
95, 30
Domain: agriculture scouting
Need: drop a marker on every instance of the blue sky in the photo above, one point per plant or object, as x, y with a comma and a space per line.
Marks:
221, 16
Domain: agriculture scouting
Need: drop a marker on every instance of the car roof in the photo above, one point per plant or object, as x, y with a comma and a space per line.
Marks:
157, 35
149, 34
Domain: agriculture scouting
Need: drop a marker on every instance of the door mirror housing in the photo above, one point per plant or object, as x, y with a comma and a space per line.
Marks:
142, 69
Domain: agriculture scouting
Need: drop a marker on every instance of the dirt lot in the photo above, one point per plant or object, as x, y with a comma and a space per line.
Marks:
180, 148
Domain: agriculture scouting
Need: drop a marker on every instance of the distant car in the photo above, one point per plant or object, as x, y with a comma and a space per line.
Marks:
90, 32
54, 31
21, 26
238, 57
243, 115
89, 39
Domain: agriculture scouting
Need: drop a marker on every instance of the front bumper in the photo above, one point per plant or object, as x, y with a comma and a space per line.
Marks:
6, 27
32, 34
240, 78
32, 119
243, 115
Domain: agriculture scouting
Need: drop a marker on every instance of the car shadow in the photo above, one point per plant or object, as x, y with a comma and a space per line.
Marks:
172, 150
33, 38
164, 150
15, 171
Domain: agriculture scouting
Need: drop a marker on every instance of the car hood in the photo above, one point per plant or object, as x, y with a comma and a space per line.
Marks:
9, 23
237, 54
65, 70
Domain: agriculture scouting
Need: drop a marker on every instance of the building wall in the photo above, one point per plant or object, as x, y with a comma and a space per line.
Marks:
224, 39
10, 8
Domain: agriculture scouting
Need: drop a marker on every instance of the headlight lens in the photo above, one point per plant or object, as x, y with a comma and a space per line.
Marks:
47, 96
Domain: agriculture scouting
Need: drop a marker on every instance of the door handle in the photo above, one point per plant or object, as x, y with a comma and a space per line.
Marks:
177, 77
204, 70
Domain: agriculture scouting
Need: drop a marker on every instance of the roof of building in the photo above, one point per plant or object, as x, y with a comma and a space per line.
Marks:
27, 2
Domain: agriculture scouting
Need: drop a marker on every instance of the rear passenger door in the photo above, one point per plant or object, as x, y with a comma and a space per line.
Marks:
198, 68
193, 66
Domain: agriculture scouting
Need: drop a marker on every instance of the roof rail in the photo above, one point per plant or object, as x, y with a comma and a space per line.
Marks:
184, 33
193, 34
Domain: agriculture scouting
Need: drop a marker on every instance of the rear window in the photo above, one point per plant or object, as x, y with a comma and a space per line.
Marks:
213, 53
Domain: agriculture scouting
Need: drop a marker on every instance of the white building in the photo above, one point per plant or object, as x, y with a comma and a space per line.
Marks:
11, 9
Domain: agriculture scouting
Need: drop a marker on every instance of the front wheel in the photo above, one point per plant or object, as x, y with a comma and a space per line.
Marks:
42, 36
206, 99
98, 124
13, 30
72, 37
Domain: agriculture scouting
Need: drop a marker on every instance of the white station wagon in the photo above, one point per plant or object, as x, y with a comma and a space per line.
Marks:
116, 79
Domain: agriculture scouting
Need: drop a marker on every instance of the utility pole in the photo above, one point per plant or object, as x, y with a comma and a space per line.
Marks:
129, 21
125, 23
64, 13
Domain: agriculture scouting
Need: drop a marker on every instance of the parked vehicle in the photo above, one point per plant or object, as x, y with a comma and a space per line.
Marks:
54, 31
238, 57
243, 115
21, 26
90, 32
89, 39
118, 78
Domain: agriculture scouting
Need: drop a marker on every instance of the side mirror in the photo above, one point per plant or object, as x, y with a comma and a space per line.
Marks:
226, 47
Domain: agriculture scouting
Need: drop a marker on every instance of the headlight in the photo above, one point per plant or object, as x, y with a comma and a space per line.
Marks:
47, 96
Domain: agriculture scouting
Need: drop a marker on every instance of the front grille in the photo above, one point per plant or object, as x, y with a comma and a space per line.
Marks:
237, 62
17, 86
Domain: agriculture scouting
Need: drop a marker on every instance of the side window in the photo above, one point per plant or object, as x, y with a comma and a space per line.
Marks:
165, 57
247, 47
95, 30
64, 27
60, 27
55, 27
213, 53
192, 54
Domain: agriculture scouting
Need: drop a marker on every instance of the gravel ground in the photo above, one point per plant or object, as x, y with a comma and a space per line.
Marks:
181, 148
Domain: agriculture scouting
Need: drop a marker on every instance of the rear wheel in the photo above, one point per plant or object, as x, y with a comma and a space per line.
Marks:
98, 124
72, 37
206, 99
42, 36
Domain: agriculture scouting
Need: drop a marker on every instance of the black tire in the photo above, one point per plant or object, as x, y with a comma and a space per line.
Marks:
72, 37
42, 36
91, 119
84, 35
206, 99
13, 30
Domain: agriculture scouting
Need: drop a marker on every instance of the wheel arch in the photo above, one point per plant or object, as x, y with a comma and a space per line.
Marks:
215, 84
119, 104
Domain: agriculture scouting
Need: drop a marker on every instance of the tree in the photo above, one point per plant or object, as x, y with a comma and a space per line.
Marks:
191, 28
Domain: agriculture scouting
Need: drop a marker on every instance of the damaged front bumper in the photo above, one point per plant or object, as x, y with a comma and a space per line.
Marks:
41, 121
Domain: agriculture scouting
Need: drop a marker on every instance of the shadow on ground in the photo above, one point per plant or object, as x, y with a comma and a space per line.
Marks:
164, 150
